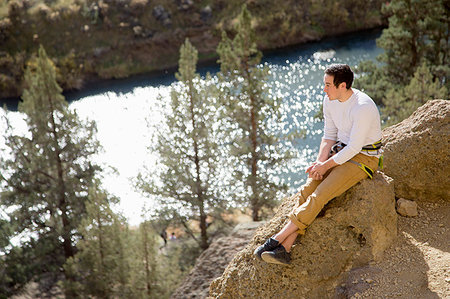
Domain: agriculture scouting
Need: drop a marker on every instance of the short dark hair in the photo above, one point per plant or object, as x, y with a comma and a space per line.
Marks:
341, 73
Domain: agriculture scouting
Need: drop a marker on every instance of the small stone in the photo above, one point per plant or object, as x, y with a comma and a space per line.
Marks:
407, 208
137, 30
206, 13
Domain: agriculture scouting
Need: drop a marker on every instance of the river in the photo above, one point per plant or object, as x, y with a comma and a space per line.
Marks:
123, 109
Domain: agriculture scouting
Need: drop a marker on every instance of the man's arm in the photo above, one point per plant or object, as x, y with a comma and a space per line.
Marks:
322, 159
324, 150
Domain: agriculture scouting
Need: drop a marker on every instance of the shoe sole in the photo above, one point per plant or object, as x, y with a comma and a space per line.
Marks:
256, 254
268, 258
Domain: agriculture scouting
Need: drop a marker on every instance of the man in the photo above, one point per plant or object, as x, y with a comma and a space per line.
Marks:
348, 153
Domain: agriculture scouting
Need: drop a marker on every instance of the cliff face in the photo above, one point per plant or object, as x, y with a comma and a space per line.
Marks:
91, 39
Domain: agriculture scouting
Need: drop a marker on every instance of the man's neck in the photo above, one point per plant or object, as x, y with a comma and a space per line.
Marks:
346, 95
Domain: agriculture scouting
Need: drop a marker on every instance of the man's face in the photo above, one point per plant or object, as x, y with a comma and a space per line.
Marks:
330, 89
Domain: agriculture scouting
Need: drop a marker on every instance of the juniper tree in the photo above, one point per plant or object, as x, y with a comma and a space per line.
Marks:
47, 171
418, 34
146, 277
254, 116
401, 104
102, 264
188, 182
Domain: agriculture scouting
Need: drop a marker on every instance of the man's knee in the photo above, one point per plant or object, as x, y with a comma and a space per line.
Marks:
305, 213
306, 190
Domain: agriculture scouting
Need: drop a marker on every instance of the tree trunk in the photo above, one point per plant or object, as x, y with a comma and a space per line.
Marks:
146, 261
198, 181
254, 146
66, 230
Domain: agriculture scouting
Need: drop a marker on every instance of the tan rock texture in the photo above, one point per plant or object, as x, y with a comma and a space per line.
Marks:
352, 230
211, 263
407, 208
416, 153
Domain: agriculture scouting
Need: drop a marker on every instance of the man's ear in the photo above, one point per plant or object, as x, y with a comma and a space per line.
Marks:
343, 85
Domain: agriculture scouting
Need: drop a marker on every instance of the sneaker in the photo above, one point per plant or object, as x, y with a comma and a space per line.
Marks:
277, 256
270, 244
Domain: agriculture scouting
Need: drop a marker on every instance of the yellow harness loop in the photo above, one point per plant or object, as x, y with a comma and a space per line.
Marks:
364, 168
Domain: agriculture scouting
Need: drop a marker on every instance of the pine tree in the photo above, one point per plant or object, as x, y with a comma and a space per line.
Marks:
401, 104
102, 263
187, 152
254, 117
418, 35
144, 263
47, 172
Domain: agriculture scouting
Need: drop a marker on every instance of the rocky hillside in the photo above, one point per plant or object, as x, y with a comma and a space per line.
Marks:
359, 247
100, 39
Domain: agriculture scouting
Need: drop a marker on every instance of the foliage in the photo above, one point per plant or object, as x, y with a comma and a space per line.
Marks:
254, 119
47, 172
101, 265
401, 103
155, 274
16, 270
188, 152
416, 58
115, 262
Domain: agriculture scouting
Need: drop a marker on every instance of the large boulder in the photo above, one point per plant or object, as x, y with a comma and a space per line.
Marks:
213, 261
354, 229
416, 153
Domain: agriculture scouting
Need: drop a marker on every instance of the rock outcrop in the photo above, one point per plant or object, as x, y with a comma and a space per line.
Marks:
213, 261
354, 229
416, 153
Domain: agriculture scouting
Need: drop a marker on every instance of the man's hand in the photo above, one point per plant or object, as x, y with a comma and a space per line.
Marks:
313, 175
318, 169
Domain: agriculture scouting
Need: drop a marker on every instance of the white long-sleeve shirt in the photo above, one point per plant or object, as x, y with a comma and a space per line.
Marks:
355, 122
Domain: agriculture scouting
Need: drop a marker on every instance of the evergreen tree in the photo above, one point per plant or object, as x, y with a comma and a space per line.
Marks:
418, 35
48, 171
400, 104
254, 118
188, 153
102, 263
144, 278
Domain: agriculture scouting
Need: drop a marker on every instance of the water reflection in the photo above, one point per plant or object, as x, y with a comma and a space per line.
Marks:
122, 114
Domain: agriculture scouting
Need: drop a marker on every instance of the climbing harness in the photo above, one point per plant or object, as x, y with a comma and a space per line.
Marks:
338, 146
364, 168
373, 147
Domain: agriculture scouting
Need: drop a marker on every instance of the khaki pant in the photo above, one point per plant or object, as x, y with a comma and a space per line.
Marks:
315, 194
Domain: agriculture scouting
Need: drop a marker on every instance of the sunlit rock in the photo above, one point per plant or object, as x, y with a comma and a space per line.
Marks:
416, 153
355, 229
